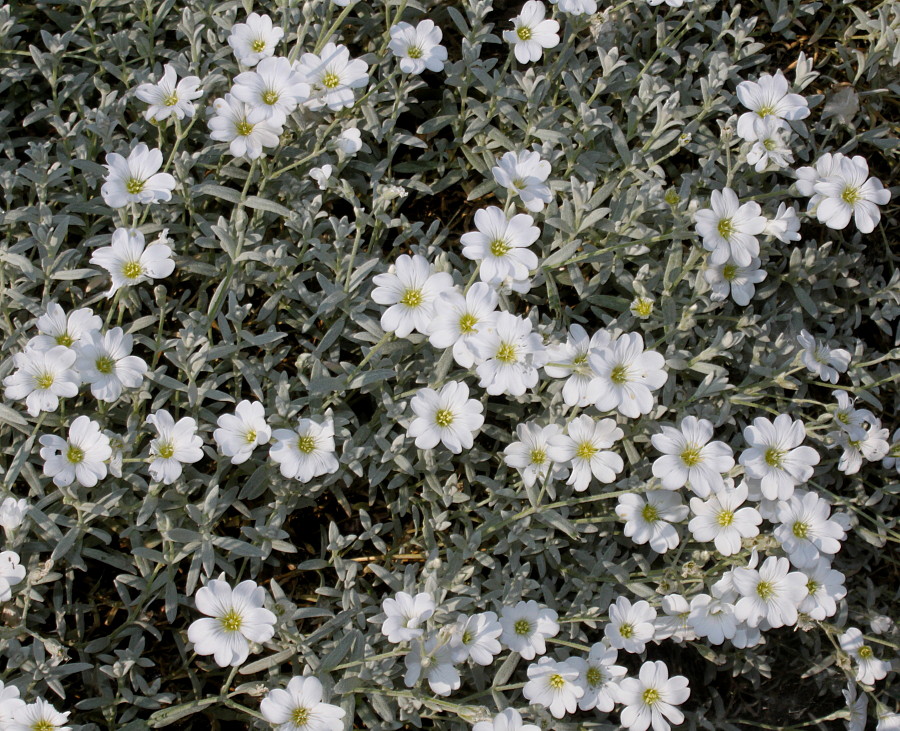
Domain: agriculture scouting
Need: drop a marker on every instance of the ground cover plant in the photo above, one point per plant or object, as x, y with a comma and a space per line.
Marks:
459, 365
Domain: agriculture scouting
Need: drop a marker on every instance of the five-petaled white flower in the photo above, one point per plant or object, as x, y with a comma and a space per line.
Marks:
241, 432
508, 719
231, 123
129, 262
169, 97
81, 457
418, 47
307, 451
458, 318
38, 716
42, 378
728, 278
826, 588
769, 145
235, 617
540, 453
630, 626
721, 519
649, 517
775, 457
332, 77
299, 707
475, 638
571, 360
136, 179
526, 626
105, 362
254, 40
729, 229
432, 658
806, 530
768, 98
785, 226
868, 444
405, 616
652, 697
626, 375
598, 675
448, 416
689, 457
411, 288
586, 448
531, 33
55, 327
772, 593
501, 245
511, 355
821, 360
272, 91
869, 668
525, 174
11, 573
176, 444
712, 618
554, 685
850, 193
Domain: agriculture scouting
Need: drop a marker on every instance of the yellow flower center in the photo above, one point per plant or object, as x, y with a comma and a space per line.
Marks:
650, 513
412, 298
626, 630
270, 97
171, 100
585, 450
865, 652
243, 128
524, 33
44, 380
250, 436
725, 228
132, 270
499, 247
594, 676
467, 323
895, 450
691, 456
619, 375
800, 530
538, 456
672, 198
257, 45
770, 144
650, 696
300, 716
414, 52
231, 621
766, 110
765, 590
134, 186
443, 418
812, 587
74, 454
331, 80
556, 681
64, 339
506, 353
306, 444
522, 627
774, 457
729, 272
643, 307
166, 450
105, 365
43, 725
725, 518
851, 195
467, 638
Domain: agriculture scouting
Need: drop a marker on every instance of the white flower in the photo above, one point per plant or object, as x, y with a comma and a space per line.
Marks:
38, 716
507, 720
598, 675
630, 626
307, 451
571, 360
822, 360
128, 262
136, 179
42, 378
626, 375
729, 229
332, 76
475, 638
805, 531
870, 667
231, 123
586, 449
768, 98
349, 141
576, 7
500, 244
641, 307
775, 456
770, 594
850, 419
411, 288
241, 432
553, 684
531, 34
9, 704
82, 457
524, 174
234, 618
769, 140
405, 616
721, 519
448, 416
652, 697
168, 98
11, 573
785, 226
712, 618
729, 278
322, 176
673, 622
826, 588
893, 454
12, 512
57, 328
671, 4
299, 707
457, 319
176, 443
689, 457
647, 518
105, 362
887, 721
851, 193
871, 444
856, 708
272, 91
433, 658
254, 40
419, 47
539, 454
511, 355
826, 166
526, 626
